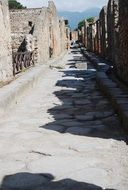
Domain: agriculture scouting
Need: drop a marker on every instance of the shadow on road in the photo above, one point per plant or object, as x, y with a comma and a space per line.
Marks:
84, 111
29, 181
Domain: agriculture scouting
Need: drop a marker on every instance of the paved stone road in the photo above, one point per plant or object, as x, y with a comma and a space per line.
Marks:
63, 135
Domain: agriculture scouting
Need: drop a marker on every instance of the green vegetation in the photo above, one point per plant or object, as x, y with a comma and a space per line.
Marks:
90, 20
80, 24
14, 4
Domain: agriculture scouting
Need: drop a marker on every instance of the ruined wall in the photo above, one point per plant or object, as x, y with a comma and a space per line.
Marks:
41, 35
82, 35
67, 38
23, 23
5, 43
110, 30
55, 29
103, 31
122, 64
30, 32
90, 35
89, 38
85, 33
111, 36
97, 38
40, 30
74, 35
113, 30
62, 35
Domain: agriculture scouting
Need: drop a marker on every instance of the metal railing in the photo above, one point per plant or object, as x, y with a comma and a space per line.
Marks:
22, 60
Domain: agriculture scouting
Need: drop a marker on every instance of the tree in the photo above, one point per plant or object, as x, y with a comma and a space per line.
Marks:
14, 4
80, 24
90, 20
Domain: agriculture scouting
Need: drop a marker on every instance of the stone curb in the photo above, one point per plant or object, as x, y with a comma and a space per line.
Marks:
10, 93
98, 63
117, 96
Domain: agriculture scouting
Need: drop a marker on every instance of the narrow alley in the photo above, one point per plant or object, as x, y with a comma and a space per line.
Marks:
63, 134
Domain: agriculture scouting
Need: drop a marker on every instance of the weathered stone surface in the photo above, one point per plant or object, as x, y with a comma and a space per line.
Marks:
107, 36
71, 123
55, 127
5, 43
82, 102
24, 181
122, 63
34, 141
98, 115
113, 30
86, 117
82, 66
40, 30
11, 166
79, 130
62, 116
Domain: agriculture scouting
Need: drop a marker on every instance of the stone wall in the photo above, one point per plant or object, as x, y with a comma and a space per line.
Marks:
97, 38
82, 35
5, 43
108, 36
103, 31
122, 66
74, 35
89, 34
38, 30
63, 36
23, 23
113, 30
85, 42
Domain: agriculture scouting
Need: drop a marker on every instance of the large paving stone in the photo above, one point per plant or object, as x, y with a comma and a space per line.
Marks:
87, 117
54, 127
98, 115
81, 65
82, 102
89, 155
10, 166
79, 95
62, 166
62, 107
70, 184
24, 181
108, 113
70, 123
79, 130
62, 116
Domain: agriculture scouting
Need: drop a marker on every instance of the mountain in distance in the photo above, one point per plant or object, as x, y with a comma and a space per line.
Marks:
75, 17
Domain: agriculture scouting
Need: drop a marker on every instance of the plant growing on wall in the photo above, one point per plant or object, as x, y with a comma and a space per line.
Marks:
14, 4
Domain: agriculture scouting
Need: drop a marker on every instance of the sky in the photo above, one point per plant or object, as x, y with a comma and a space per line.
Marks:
66, 5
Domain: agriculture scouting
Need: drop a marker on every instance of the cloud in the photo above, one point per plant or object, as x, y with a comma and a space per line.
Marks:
69, 5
